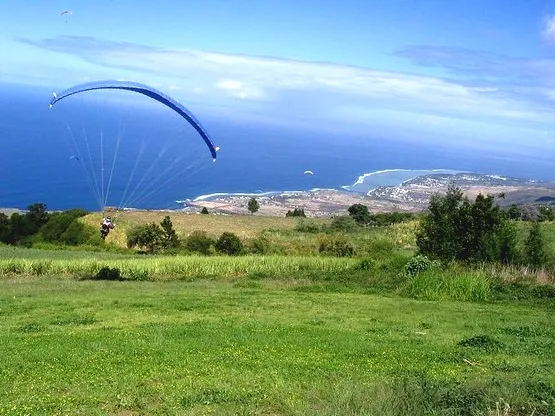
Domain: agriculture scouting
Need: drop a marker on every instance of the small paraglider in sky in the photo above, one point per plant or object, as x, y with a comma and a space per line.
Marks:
66, 13
308, 172
73, 158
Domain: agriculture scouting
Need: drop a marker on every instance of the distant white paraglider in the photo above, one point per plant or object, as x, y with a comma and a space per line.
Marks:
308, 172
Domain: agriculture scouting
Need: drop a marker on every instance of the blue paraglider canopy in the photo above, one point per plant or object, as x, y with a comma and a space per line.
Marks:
145, 90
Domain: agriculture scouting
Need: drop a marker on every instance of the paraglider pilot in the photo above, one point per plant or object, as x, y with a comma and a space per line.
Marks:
105, 226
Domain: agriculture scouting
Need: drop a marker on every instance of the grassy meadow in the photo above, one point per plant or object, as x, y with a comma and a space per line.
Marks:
294, 332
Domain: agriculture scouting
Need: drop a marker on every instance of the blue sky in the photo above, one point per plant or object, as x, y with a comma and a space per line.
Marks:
476, 71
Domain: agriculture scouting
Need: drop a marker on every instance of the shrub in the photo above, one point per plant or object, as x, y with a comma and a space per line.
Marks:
260, 245
229, 243
199, 242
76, 233
419, 264
204, 210
297, 212
148, 235
344, 223
107, 273
307, 227
534, 250
338, 247
366, 264
63, 227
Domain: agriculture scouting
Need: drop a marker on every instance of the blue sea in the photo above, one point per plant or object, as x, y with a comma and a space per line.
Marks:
110, 151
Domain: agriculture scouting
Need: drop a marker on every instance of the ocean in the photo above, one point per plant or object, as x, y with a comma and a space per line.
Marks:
110, 151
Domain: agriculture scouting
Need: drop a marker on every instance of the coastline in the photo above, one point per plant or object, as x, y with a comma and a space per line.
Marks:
411, 195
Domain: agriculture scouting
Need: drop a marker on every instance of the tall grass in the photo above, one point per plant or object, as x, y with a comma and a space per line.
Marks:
470, 285
179, 266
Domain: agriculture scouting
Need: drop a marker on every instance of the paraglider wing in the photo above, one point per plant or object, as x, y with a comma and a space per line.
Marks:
66, 12
145, 90
308, 172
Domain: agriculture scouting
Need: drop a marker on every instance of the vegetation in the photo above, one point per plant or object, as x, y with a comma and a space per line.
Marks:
456, 228
199, 242
253, 205
169, 236
250, 345
534, 252
286, 316
149, 236
297, 212
229, 244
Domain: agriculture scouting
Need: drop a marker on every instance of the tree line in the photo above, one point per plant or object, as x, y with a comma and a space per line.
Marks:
39, 225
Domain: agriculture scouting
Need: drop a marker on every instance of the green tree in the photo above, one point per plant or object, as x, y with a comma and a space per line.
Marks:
297, 212
76, 233
169, 236
360, 213
229, 243
534, 246
253, 205
59, 222
513, 212
4, 227
149, 236
437, 234
20, 228
546, 213
204, 210
456, 228
37, 216
198, 241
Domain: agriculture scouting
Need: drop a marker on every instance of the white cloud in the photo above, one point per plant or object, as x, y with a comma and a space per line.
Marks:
549, 28
264, 78
310, 87
239, 90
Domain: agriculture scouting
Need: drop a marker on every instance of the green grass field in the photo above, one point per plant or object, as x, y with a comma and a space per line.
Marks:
295, 333
268, 347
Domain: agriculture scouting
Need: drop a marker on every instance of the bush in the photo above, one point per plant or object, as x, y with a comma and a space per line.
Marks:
148, 235
76, 234
63, 227
297, 212
204, 211
107, 273
338, 247
307, 227
534, 247
419, 264
260, 245
229, 244
344, 223
199, 242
